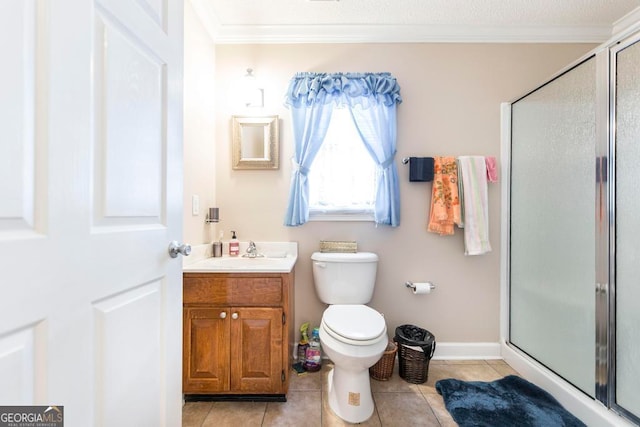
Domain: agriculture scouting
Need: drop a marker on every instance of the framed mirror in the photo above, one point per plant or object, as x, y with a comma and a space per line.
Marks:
255, 142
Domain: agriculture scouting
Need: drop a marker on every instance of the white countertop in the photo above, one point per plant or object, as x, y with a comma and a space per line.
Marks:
278, 257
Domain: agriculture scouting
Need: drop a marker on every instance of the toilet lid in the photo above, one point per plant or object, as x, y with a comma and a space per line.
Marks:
354, 322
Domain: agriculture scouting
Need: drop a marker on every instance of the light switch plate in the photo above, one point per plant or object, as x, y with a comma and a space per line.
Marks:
195, 205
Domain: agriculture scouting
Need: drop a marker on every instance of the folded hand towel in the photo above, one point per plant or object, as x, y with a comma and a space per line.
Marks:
476, 206
445, 206
492, 169
420, 169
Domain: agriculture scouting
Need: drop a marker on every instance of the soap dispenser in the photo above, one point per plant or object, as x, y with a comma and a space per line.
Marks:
234, 245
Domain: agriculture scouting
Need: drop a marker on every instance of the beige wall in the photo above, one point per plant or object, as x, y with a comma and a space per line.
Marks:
452, 94
199, 127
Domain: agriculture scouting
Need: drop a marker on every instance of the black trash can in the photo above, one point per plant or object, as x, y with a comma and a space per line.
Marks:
415, 350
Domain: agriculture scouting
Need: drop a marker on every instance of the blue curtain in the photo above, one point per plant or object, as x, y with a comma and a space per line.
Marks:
372, 99
377, 128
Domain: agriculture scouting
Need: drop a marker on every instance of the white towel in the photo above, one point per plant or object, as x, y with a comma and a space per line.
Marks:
476, 206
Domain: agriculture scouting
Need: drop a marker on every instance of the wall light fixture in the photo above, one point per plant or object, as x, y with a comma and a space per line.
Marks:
253, 94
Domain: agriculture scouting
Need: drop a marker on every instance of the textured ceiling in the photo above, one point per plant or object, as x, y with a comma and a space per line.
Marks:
411, 20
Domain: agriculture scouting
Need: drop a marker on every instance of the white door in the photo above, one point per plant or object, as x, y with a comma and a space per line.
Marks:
90, 198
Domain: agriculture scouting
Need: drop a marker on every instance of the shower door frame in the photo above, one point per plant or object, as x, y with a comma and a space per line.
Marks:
603, 407
611, 399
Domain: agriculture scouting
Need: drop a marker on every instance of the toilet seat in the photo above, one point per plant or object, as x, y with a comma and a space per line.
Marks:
354, 324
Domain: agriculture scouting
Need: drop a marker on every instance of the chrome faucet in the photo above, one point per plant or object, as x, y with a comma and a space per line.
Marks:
252, 251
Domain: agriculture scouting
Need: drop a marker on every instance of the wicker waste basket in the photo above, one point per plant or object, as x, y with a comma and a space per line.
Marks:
415, 350
383, 369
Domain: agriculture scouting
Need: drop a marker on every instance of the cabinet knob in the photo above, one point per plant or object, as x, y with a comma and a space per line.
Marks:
234, 316
223, 314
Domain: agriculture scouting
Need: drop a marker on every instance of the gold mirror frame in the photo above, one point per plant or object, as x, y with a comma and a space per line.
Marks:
255, 143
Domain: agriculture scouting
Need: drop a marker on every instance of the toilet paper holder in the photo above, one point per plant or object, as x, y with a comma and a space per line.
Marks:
410, 284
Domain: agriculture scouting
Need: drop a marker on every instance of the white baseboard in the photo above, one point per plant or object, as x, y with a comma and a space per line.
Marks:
467, 350
455, 351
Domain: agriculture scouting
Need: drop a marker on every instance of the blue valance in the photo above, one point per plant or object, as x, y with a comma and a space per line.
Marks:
343, 88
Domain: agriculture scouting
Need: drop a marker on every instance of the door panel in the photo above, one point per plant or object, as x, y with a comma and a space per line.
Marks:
125, 323
19, 365
129, 144
18, 112
256, 353
206, 341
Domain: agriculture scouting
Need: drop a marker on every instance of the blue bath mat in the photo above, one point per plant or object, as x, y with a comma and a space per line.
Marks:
508, 402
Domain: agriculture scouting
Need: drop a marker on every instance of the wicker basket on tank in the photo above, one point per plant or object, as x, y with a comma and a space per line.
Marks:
338, 246
383, 369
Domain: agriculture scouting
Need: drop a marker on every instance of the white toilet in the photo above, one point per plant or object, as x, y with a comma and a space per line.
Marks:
352, 335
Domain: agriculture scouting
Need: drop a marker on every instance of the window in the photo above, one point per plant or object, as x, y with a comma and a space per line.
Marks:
370, 100
342, 178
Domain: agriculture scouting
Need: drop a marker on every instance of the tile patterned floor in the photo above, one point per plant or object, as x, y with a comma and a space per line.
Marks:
398, 403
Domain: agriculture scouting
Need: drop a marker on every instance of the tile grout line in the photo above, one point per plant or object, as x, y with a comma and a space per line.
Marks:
208, 412
321, 402
422, 393
264, 414
375, 409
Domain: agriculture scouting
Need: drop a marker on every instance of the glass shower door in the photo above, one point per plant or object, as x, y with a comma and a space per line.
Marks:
552, 235
626, 60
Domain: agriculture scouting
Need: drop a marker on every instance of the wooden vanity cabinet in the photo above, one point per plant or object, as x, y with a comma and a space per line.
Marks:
237, 333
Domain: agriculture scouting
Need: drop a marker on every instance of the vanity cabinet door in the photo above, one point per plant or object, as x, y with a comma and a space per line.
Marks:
256, 350
206, 350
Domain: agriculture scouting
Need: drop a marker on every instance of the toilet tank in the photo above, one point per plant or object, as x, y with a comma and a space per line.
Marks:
344, 278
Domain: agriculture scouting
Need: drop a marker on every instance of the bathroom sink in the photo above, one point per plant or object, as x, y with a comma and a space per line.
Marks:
243, 264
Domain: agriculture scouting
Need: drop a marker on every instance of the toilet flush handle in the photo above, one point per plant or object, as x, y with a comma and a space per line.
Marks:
320, 264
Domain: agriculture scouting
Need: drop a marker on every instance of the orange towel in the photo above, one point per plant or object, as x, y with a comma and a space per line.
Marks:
445, 204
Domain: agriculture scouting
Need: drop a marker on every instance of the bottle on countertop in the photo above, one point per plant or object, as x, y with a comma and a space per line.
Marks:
217, 246
303, 345
234, 245
313, 360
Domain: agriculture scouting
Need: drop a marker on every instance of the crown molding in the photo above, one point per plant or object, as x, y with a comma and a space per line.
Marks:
287, 34
628, 21
228, 34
